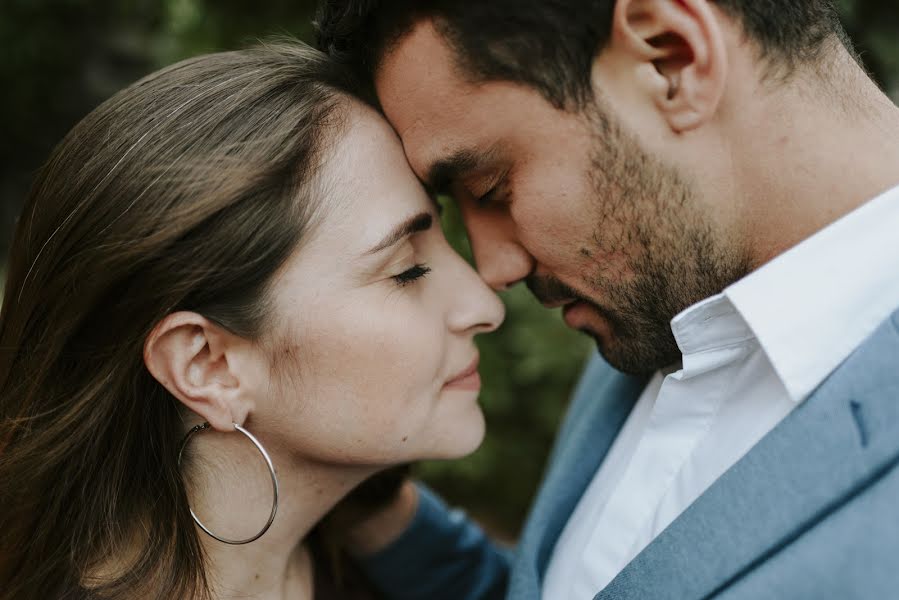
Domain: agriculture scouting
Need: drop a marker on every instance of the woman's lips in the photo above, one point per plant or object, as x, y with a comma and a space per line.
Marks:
469, 379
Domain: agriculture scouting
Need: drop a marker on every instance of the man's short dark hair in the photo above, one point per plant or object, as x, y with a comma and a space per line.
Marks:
550, 44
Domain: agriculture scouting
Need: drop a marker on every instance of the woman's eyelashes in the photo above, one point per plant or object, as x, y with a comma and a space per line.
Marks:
411, 275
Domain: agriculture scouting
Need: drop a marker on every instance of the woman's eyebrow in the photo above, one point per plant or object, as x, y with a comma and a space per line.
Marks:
414, 224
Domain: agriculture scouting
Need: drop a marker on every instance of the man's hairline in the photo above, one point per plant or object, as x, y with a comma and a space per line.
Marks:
443, 32
775, 68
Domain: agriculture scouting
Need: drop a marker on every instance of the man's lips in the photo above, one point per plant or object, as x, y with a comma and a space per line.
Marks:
576, 314
467, 379
557, 303
577, 311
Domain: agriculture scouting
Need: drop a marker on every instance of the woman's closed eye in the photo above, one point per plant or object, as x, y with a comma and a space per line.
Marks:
411, 275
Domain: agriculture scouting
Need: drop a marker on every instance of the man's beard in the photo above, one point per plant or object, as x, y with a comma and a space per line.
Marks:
647, 213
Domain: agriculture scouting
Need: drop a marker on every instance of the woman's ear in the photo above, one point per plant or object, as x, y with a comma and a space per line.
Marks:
193, 358
681, 42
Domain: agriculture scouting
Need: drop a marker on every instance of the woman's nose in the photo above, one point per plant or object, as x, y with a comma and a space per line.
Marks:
475, 307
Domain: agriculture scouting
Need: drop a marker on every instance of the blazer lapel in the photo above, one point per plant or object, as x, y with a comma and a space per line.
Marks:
598, 411
835, 444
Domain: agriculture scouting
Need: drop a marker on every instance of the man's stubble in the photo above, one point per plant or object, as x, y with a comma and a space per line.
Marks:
671, 252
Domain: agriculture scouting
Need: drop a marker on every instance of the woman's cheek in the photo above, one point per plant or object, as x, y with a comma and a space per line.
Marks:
363, 370
392, 358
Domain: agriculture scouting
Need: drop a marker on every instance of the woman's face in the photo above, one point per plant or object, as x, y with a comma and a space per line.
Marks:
371, 344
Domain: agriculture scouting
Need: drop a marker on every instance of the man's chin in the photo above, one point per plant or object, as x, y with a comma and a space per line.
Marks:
632, 358
640, 353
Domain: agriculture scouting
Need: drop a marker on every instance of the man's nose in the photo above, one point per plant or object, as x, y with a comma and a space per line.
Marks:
500, 258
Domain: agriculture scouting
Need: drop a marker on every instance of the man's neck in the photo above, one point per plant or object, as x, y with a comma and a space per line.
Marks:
813, 152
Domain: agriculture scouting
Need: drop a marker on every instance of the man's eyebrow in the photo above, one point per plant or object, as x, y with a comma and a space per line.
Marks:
414, 224
442, 173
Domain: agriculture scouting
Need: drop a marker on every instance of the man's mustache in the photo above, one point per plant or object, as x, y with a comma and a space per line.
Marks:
549, 290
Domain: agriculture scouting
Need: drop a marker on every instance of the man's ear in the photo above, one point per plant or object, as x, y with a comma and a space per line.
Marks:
192, 358
681, 42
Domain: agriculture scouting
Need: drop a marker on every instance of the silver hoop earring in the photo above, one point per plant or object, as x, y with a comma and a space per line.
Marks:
271, 469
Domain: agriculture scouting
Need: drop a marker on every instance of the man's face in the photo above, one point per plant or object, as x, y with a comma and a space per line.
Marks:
566, 201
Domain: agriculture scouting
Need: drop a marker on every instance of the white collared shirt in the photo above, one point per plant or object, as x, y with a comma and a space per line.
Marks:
750, 356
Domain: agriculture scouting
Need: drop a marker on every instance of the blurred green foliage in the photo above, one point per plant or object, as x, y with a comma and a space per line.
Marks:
60, 58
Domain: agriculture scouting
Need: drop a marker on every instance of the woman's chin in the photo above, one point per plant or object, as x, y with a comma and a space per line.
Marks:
460, 437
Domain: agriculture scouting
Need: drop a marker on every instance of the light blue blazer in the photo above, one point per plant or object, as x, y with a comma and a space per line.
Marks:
812, 511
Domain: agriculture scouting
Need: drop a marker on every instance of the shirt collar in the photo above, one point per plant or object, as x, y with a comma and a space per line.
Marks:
709, 334
813, 305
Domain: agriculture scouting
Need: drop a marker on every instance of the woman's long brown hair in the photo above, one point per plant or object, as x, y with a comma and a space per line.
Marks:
185, 191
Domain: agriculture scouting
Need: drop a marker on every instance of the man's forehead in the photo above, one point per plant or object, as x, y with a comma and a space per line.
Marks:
435, 153
422, 96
